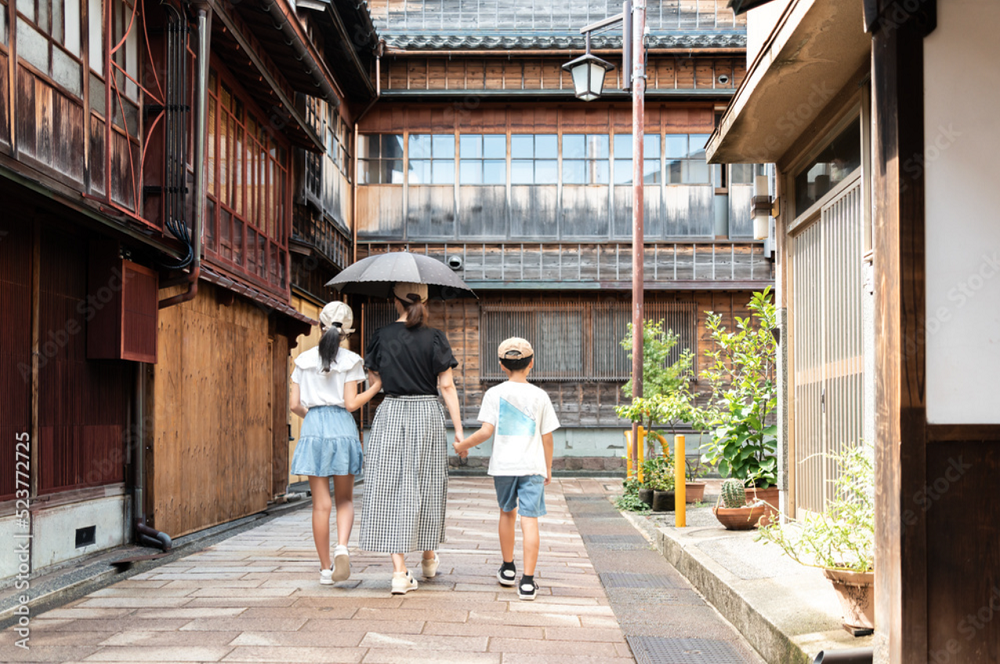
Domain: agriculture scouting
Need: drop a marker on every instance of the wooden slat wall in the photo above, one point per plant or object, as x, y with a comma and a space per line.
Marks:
213, 420
492, 73
578, 404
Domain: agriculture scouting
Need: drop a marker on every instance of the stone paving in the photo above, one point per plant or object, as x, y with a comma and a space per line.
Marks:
256, 598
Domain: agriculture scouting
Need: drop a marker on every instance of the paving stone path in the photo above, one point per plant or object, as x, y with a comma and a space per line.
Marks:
255, 598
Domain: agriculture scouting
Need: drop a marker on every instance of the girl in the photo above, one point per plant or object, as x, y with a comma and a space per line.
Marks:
406, 470
324, 391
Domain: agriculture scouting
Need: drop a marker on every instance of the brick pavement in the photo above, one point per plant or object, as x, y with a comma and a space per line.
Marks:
256, 598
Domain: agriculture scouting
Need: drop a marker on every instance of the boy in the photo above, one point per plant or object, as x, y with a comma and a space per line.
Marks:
522, 417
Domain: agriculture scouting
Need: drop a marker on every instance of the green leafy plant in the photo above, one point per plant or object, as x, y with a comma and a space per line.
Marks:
744, 396
695, 469
629, 500
841, 537
661, 476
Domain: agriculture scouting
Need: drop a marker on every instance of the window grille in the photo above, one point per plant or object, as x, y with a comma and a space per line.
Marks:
577, 341
380, 158
650, 159
686, 162
483, 159
534, 159
431, 159
585, 159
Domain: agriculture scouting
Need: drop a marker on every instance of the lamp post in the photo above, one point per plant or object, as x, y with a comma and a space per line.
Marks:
588, 73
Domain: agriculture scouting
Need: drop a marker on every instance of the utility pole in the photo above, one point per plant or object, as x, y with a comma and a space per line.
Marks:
638, 75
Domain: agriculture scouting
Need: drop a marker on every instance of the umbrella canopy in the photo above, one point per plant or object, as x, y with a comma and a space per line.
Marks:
376, 275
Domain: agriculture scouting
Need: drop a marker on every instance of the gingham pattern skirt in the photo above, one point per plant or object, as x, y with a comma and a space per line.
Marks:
406, 477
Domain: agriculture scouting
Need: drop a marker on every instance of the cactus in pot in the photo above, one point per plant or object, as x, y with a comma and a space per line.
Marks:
732, 494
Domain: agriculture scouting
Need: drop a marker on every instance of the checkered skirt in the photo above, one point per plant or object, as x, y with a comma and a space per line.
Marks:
406, 477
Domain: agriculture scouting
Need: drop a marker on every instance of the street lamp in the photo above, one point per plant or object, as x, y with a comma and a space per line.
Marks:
588, 73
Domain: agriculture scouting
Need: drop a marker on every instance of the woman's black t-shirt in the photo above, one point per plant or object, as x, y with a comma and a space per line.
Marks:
409, 359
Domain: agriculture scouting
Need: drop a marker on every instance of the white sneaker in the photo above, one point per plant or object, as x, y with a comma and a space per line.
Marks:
430, 567
341, 563
403, 583
326, 577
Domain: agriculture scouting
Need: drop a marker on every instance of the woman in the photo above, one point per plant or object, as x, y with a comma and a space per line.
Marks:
406, 467
324, 391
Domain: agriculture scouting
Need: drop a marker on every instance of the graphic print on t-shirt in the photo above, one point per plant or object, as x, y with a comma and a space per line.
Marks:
513, 422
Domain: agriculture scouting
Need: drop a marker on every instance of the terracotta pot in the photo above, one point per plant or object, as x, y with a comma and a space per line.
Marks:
769, 496
739, 518
663, 501
646, 495
694, 491
856, 592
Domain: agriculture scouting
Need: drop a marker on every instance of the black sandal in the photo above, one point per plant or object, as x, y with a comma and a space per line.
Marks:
527, 589
507, 574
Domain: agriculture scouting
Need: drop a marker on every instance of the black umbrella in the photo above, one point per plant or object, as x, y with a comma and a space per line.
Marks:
376, 275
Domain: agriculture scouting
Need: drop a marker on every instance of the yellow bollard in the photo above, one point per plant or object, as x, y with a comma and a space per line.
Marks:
642, 451
680, 490
628, 455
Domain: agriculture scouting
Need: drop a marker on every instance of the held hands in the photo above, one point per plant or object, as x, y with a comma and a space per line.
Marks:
460, 448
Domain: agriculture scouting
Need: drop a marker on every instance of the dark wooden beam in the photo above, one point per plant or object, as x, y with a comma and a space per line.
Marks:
901, 421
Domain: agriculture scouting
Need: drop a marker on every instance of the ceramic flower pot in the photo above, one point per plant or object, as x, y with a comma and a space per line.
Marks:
769, 496
856, 592
694, 492
663, 501
739, 518
646, 495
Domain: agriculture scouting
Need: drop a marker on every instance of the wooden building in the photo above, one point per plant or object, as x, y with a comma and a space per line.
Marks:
147, 258
477, 153
881, 131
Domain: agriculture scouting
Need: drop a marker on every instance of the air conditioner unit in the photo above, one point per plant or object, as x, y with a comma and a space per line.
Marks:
122, 306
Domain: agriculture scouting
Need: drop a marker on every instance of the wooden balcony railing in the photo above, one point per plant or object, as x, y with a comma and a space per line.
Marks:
675, 265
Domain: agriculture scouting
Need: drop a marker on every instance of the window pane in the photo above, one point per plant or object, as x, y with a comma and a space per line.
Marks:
420, 146
674, 171
623, 171
574, 146
66, 72
597, 146
546, 146
443, 171
443, 146
651, 171
522, 171
623, 146
420, 171
32, 45
495, 172
697, 146
694, 171
393, 171
470, 172
742, 174
651, 146
95, 29
522, 146
830, 167
368, 145
546, 171
600, 172
495, 146
72, 26
470, 146
676, 145
574, 171
392, 146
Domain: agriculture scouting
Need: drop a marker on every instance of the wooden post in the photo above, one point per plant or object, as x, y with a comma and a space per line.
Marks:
680, 491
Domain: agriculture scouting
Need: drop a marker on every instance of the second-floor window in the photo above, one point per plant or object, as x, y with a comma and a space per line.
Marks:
650, 158
482, 159
585, 159
534, 159
686, 162
380, 158
431, 159
48, 37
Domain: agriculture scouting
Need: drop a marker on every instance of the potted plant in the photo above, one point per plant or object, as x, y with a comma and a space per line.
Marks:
744, 400
734, 511
629, 500
840, 540
661, 481
694, 470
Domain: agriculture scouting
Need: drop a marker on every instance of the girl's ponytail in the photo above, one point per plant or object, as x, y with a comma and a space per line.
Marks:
329, 344
416, 312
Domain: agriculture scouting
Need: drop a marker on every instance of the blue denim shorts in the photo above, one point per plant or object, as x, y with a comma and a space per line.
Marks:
526, 493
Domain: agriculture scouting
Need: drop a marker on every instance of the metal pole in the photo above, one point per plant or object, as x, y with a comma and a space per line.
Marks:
638, 19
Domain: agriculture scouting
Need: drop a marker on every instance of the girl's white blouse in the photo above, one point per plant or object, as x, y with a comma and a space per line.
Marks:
326, 389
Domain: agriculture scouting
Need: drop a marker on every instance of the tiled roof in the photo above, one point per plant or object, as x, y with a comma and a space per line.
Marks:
729, 39
548, 24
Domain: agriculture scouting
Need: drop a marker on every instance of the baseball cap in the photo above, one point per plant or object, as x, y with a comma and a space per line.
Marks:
404, 290
337, 314
515, 348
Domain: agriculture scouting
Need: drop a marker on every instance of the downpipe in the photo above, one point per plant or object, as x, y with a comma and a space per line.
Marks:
144, 534
852, 656
201, 118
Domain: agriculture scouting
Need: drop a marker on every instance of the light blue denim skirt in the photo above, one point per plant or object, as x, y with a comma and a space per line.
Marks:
328, 444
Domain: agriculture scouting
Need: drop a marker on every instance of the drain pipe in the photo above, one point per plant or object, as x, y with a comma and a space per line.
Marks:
144, 535
852, 656
200, 119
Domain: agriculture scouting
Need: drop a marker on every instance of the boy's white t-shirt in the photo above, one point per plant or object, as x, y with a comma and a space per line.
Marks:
326, 389
520, 414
